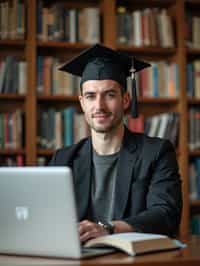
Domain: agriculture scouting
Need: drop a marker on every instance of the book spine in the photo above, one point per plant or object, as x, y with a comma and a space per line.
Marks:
68, 126
190, 85
92, 25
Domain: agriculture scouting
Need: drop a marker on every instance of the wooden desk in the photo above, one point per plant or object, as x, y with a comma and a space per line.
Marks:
189, 256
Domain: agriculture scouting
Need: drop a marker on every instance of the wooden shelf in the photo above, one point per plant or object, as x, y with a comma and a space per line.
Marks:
14, 43
194, 153
195, 203
12, 96
193, 101
193, 51
155, 100
62, 44
192, 2
147, 50
12, 152
58, 101
45, 152
149, 3
195, 207
60, 98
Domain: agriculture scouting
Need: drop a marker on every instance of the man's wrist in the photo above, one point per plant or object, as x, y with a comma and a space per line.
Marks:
108, 226
122, 227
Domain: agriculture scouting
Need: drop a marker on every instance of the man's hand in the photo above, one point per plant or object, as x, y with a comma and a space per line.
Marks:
122, 227
89, 230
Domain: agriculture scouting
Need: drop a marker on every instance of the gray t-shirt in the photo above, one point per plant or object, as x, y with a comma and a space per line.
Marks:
103, 186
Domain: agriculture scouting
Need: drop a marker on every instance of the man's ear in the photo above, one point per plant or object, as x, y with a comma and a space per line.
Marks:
126, 100
80, 97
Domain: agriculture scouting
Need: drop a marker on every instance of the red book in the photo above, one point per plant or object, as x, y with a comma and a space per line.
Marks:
136, 124
20, 160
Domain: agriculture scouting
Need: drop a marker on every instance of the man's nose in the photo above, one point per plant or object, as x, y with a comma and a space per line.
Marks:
100, 102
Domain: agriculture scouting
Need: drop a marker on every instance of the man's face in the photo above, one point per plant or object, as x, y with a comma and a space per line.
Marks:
103, 104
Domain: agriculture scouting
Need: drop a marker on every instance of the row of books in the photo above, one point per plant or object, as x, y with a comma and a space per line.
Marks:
42, 160
13, 75
193, 79
161, 80
194, 178
148, 27
51, 81
11, 130
165, 125
194, 128
58, 22
12, 19
12, 161
58, 128
195, 225
19, 160
192, 31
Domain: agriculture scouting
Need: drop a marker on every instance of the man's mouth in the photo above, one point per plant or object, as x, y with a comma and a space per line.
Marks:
101, 115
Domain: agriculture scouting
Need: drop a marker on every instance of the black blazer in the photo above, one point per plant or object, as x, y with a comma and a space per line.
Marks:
148, 190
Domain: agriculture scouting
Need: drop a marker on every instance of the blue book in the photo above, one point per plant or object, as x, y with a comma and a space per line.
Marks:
195, 224
39, 19
40, 63
10, 85
5, 77
197, 166
190, 80
68, 117
155, 80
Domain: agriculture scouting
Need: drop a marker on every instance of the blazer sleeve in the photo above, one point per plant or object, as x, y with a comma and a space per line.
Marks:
164, 197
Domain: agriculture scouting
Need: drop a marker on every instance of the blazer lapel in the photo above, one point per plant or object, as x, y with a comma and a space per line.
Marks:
82, 174
128, 156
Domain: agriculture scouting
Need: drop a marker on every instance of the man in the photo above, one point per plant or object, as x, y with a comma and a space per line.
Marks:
123, 181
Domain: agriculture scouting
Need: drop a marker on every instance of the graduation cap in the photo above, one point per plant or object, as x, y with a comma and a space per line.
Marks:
100, 63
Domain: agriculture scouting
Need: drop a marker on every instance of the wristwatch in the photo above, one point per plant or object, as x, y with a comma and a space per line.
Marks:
109, 226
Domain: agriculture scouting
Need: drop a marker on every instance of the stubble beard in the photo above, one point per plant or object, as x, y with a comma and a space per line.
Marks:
108, 128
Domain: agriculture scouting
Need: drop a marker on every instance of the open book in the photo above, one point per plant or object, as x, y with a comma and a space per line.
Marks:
135, 243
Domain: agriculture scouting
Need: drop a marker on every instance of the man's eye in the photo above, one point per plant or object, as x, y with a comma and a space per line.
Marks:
90, 96
111, 95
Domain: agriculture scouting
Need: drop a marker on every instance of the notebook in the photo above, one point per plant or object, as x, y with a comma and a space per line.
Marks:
38, 213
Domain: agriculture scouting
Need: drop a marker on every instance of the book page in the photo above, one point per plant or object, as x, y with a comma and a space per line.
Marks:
136, 236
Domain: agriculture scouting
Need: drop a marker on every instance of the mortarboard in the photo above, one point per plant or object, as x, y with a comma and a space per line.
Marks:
99, 62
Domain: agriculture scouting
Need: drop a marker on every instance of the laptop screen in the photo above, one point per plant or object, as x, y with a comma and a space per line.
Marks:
38, 212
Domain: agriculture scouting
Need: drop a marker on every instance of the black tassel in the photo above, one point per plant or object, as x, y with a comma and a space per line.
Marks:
134, 105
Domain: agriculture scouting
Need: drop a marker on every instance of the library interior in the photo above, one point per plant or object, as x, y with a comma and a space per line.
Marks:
39, 105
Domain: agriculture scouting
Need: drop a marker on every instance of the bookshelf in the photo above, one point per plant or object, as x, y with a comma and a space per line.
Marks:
192, 9
29, 48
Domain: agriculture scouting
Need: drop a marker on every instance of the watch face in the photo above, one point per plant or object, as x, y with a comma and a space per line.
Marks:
109, 226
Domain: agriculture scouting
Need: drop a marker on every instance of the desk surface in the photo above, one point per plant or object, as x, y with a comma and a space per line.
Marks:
189, 256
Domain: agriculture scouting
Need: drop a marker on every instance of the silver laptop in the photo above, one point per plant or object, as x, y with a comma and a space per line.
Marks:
38, 213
